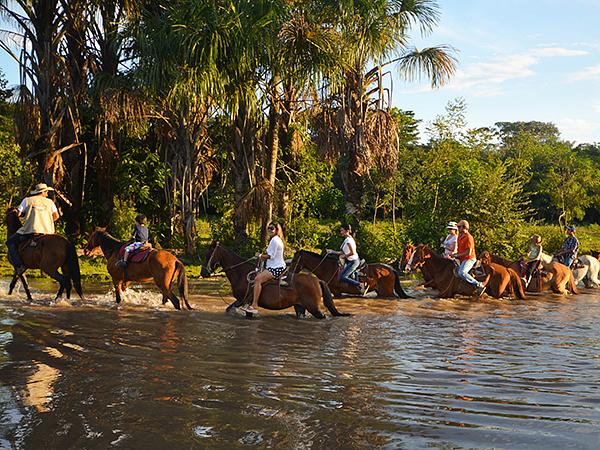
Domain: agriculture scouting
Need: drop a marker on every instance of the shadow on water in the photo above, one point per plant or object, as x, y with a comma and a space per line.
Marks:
413, 373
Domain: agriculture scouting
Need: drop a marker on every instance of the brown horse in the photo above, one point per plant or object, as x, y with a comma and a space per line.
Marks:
303, 293
541, 281
50, 253
405, 265
381, 278
160, 266
442, 272
502, 279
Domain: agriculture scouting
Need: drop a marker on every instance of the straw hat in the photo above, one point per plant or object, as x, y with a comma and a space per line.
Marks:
39, 188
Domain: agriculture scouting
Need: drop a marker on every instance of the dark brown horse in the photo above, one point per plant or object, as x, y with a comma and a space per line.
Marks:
303, 293
381, 278
160, 266
442, 272
540, 280
51, 252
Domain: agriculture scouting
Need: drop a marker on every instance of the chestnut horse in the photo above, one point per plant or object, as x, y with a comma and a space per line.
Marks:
160, 266
50, 253
303, 293
381, 278
405, 265
502, 279
442, 272
541, 281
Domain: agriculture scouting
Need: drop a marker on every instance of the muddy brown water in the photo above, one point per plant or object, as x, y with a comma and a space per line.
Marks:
417, 373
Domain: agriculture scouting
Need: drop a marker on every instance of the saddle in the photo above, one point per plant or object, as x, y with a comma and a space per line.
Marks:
33, 241
136, 256
282, 280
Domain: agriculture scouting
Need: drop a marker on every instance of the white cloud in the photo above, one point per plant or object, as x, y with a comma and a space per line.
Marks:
578, 130
485, 78
548, 52
591, 73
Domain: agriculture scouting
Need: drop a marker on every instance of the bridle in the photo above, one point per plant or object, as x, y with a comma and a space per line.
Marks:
209, 268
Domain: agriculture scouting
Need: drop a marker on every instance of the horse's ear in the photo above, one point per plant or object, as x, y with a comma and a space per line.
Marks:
101, 229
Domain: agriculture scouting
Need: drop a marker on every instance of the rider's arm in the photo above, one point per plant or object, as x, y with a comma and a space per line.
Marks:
54, 210
21, 208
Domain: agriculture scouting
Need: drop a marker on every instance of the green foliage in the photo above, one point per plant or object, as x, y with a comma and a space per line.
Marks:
379, 243
124, 218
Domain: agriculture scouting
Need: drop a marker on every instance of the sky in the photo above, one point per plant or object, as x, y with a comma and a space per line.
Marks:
518, 60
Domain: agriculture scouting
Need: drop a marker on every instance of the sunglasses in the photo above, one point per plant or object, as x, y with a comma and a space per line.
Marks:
270, 228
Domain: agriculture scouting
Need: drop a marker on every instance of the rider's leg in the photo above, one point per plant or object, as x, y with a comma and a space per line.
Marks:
261, 278
568, 260
463, 272
349, 268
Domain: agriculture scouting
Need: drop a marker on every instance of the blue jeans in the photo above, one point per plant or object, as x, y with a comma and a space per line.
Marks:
349, 268
567, 260
463, 272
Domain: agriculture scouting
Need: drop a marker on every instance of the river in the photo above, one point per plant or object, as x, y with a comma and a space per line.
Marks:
417, 373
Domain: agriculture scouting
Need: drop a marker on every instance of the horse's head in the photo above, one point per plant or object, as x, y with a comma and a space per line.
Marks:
405, 257
486, 258
420, 255
93, 240
13, 223
213, 259
596, 254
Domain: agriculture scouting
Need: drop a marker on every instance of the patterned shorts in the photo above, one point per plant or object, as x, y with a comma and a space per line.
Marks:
276, 271
133, 246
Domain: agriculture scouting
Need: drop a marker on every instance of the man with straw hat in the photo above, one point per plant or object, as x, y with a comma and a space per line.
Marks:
39, 214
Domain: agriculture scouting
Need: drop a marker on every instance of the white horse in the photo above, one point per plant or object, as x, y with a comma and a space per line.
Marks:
589, 272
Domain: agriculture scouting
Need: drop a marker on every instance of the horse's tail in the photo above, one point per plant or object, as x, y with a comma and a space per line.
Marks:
328, 300
397, 286
572, 286
73, 266
517, 284
182, 283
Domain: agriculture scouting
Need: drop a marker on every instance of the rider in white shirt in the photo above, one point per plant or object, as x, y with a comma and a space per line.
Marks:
348, 252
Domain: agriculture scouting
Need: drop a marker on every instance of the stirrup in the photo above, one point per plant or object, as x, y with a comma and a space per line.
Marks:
121, 264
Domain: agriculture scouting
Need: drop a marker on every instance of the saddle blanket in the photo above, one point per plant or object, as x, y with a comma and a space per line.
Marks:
33, 241
137, 256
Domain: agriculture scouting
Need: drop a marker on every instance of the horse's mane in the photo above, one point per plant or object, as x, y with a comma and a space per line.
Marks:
112, 241
316, 255
500, 260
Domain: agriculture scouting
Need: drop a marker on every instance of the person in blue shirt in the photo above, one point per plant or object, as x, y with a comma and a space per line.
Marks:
568, 253
139, 237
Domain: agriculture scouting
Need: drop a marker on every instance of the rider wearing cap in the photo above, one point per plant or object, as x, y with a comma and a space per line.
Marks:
39, 213
467, 257
570, 248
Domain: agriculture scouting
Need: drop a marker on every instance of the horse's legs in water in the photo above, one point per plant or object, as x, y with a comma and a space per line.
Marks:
62, 280
300, 311
314, 310
117, 285
24, 283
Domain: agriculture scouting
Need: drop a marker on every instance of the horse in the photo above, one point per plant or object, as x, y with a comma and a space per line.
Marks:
442, 272
587, 270
502, 279
381, 278
160, 266
406, 265
51, 252
304, 291
562, 277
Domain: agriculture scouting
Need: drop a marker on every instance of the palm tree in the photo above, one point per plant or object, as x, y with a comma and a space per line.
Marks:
354, 118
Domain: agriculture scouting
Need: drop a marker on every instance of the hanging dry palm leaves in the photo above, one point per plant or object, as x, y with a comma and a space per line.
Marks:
255, 201
328, 138
27, 120
381, 138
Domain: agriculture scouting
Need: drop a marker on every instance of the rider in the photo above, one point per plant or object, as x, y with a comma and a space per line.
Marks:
139, 236
348, 252
450, 243
466, 256
275, 264
533, 257
39, 214
570, 248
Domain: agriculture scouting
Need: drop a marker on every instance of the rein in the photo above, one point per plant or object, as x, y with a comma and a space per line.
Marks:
208, 264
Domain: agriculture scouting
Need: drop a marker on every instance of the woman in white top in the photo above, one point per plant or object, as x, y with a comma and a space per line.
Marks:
348, 252
450, 244
275, 264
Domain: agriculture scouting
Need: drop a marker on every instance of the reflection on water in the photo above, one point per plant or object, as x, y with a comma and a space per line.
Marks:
413, 373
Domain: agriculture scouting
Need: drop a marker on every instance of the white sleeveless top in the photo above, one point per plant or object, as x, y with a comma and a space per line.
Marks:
275, 251
349, 243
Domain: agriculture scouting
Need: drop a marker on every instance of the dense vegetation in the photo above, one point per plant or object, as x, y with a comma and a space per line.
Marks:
237, 112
